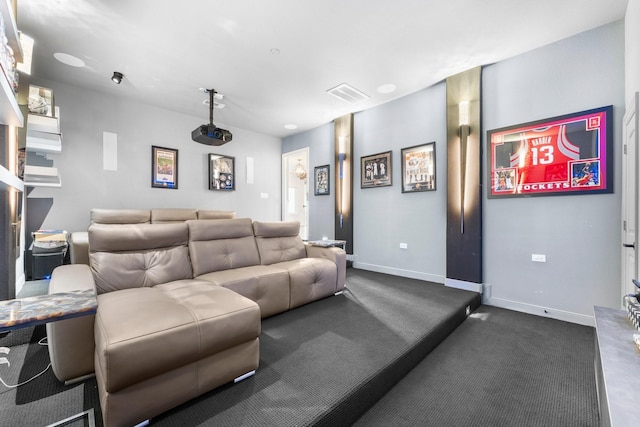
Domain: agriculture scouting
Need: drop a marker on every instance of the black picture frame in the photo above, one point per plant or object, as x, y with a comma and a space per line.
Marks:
375, 170
164, 167
222, 172
419, 168
321, 180
563, 155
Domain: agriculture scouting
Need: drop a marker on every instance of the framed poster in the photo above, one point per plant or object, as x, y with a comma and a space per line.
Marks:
419, 168
164, 167
375, 170
570, 154
321, 180
222, 172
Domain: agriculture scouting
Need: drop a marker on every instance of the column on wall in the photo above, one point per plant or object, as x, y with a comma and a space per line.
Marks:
343, 147
464, 181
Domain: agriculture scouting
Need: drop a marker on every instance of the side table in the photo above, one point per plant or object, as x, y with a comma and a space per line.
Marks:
37, 310
41, 309
329, 243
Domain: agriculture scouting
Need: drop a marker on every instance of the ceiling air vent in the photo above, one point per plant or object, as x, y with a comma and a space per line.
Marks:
348, 93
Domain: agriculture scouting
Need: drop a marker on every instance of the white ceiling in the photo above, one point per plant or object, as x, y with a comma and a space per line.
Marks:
168, 49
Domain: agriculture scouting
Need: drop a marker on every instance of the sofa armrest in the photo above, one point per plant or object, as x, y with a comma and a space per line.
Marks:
79, 247
336, 255
70, 342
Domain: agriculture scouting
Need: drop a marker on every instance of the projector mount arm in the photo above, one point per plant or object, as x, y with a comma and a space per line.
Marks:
212, 93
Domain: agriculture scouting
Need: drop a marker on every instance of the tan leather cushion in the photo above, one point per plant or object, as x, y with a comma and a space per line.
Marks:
169, 215
120, 216
144, 332
221, 244
209, 214
138, 255
310, 279
278, 241
265, 284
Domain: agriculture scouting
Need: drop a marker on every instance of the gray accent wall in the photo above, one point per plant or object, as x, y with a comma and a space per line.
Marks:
580, 235
86, 114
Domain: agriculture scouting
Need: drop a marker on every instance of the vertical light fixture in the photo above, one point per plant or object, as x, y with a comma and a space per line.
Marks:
464, 131
341, 158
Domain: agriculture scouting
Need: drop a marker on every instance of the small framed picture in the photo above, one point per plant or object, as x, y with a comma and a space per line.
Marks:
164, 167
222, 172
321, 180
375, 170
40, 101
419, 168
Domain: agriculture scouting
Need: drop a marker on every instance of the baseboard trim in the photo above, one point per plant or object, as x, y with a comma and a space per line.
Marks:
461, 284
537, 310
399, 272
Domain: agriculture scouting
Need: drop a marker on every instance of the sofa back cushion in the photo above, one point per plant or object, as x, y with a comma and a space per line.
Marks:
120, 216
138, 255
221, 244
278, 241
171, 215
212, 214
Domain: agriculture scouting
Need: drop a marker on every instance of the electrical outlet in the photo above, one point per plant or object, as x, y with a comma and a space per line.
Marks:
403, 246
538, 258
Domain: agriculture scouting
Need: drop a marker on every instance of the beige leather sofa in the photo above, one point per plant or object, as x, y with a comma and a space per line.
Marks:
79, 240
179, 307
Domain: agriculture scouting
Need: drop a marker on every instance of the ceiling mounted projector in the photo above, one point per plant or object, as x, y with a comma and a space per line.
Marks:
209, 134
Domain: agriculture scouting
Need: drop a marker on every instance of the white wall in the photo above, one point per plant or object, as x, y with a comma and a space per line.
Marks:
85, 185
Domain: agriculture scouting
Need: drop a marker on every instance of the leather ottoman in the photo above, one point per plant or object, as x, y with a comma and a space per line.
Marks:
158, 347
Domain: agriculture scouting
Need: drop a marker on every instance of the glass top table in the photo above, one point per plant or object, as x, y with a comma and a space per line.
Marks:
37, 310
326, 243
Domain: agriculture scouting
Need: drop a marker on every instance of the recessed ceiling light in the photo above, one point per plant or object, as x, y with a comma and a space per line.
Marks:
290, 126
275, 51
387, 88
69, 60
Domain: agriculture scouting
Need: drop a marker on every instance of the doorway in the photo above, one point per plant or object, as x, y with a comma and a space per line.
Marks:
295, 189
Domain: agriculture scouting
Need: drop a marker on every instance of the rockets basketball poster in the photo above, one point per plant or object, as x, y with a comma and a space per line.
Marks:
569, 154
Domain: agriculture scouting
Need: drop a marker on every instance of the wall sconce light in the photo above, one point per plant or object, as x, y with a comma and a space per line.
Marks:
299, 171
464, 130
341, 157
117, 77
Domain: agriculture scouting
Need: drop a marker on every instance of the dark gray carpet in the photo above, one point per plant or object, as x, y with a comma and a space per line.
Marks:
499, 368
44, 400
329, 361
322, 364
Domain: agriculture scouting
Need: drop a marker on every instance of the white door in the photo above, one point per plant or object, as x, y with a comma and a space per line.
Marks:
295, 189
630, 198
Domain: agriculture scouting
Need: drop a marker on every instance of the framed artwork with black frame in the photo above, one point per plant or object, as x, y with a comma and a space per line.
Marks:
569, 154
375, 170
419, 168
222, 172
164, 167
321, 180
